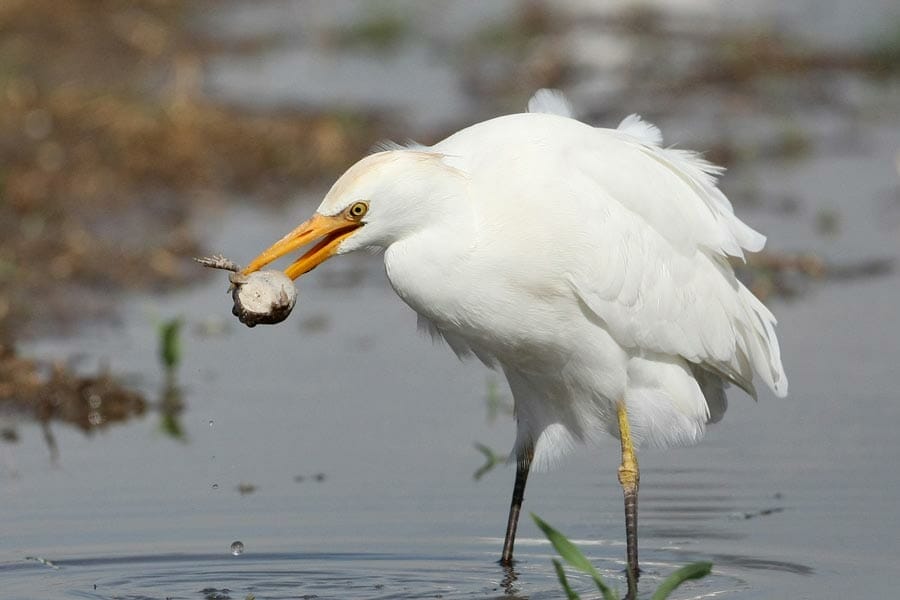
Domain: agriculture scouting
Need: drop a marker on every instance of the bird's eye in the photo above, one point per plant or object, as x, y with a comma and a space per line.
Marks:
357, 210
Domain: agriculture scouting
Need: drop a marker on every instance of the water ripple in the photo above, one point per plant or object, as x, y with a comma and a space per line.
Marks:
357, 576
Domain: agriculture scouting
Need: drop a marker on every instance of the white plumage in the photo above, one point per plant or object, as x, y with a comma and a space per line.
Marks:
590, 265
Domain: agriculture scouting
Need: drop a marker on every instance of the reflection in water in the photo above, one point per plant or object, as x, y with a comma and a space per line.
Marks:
508, 583
29, 390
171, 406
90, 403
50, 440
57, 393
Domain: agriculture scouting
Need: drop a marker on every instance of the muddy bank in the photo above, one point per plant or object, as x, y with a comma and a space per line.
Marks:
108, 143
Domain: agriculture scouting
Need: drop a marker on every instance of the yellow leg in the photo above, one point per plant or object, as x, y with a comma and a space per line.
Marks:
629, 477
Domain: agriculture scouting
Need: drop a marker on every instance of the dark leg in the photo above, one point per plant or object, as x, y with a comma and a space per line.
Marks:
629, 477
523, 464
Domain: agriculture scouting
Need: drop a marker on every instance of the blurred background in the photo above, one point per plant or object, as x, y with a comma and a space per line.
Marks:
143, 430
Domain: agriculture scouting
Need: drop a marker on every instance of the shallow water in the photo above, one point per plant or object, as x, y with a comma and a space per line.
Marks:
787, 497
338, 446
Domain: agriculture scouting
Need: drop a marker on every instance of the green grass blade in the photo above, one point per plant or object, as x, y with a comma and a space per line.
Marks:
692, 571
570, 593
572, 555
566, 549
170, 343
491, 460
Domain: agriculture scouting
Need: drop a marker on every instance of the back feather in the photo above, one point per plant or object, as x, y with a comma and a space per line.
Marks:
700, 175
550, 102
646, 133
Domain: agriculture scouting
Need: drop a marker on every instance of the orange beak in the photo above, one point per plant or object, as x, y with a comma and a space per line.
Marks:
332, 231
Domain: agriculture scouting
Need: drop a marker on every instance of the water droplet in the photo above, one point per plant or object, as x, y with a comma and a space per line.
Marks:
237, 548
215, 486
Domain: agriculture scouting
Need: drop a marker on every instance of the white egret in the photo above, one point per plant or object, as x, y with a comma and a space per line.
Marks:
590, 265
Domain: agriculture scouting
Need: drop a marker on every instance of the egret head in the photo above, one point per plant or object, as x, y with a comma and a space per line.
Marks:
378, 201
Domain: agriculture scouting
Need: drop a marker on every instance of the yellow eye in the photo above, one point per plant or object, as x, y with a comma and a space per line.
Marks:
357, 210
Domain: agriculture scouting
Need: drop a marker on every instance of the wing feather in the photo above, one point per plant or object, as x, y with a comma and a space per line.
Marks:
663, 283
649, 235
